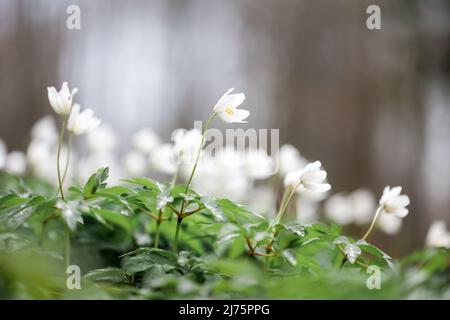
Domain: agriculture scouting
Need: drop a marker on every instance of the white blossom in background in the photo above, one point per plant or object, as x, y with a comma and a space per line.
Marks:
307, 210
186, 145
257, 164
101, 139
290, 159
356, 207
3, 153
135, 163
364, 204
262, 200
44, 130
82, 122
338, 209
16, 163
438, 236
393, 202
311, 178
223, 176
71, 213
61, 101
389, 223
145, 140
39, 155
163, 160
227, 108
94, 160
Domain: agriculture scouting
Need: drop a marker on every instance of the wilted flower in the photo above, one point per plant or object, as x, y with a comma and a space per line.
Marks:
61, 101
71, 213
310, 178
145, 140
135, 163
16, 163
102, 139
3, 152
82, 122
438, 236
290, 159
392, 202
226, 107
163, 159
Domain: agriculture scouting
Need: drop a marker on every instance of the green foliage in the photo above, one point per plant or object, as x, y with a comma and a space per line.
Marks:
225, 250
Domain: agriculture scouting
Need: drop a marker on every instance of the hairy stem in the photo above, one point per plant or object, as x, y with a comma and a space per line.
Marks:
284, 204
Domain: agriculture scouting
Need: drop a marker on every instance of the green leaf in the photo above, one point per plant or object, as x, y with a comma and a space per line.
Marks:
143, 182
112, 275
145, 258
96, 182
108, 216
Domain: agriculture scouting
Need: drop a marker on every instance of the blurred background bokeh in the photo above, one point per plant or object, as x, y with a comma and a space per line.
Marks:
372, 105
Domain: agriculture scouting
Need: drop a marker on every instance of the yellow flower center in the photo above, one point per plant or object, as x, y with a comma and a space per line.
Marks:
229, 110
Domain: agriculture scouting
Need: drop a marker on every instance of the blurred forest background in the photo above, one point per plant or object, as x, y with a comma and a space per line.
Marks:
372, 105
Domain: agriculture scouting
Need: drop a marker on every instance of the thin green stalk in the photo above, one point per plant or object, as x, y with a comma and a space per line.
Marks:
175, 177
177, 233
58, 156
66, 169
66, 245
199, 151
183, 205
284, 205
377, 213
158, 225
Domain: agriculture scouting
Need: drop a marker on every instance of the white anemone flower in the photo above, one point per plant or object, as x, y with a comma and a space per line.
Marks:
227, 108
71, 213
311, 178
82, 122
162, 159
356, 207
290, 159
438, 236
3, 152
16, 163
392, 202
102, 139
145, 140
61, 101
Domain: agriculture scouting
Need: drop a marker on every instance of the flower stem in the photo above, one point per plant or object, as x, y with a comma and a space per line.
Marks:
284, 204
66, 245
177, 233
58, 156
199, 151
183, 205
377, 213
158, 225
66, 169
